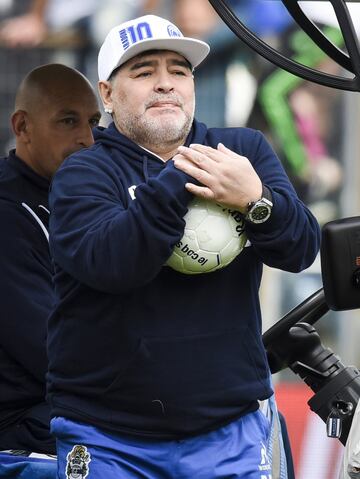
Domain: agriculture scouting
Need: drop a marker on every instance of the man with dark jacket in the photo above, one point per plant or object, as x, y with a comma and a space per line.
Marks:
55, 111
154, 373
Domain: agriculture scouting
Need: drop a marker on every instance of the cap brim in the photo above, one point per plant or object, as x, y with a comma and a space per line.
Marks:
195, 51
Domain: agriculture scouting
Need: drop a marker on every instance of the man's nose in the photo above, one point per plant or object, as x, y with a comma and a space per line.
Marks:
164, 83
85, 137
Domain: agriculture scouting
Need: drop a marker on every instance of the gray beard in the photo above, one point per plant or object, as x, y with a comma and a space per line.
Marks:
153, 133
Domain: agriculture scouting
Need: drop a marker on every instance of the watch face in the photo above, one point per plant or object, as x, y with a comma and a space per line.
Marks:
260, 213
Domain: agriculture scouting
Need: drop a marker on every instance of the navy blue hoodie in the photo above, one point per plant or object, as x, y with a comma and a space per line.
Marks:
135, 346
26, 292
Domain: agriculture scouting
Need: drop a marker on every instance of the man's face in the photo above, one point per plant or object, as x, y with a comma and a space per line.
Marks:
60, 126
153, 98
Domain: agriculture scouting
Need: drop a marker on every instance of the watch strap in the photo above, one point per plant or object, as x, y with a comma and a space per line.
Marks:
266, 193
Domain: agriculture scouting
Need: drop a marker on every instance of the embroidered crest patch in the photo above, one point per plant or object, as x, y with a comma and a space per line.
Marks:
77, 463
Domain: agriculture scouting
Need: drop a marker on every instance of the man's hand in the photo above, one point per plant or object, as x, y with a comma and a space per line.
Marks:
225, 176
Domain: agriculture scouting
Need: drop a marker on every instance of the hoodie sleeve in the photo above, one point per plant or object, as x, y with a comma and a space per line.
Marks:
290, 239
26, 291
104, 243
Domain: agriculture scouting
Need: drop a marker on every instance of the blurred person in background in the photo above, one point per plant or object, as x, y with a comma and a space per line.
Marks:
40, 18
297, 115
30, 24
59, 27
55, 111
27, 28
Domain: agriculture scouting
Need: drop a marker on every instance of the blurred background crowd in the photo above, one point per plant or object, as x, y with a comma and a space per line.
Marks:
313, 129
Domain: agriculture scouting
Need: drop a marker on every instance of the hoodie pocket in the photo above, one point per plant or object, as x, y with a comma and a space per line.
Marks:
183, 367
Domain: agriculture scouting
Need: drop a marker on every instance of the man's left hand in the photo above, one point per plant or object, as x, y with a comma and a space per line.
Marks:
225, 176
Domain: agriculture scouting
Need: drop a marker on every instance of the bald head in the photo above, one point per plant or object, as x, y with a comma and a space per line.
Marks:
55, 111
44, 83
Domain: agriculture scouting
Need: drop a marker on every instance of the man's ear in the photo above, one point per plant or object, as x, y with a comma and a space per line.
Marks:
19, 123
105, 91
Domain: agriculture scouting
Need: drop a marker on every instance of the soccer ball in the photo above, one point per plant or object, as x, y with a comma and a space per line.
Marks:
213, 237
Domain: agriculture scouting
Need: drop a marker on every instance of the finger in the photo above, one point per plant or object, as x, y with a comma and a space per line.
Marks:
209, 151
196, 157
200, 191
199, 147
219, 154
189, 168
190, 159
214, 153
179, 156
225, 150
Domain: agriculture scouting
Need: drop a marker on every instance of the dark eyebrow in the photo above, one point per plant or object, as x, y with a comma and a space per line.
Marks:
141, 64
181, 63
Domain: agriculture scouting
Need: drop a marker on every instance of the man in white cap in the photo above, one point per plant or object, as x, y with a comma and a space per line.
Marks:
154, 373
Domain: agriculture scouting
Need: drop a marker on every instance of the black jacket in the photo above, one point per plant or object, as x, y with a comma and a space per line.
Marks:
26, 294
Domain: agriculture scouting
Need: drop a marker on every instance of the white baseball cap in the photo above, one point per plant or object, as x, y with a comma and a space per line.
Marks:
149, 32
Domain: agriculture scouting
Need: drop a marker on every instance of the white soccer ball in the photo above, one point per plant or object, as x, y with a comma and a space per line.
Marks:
213, 237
